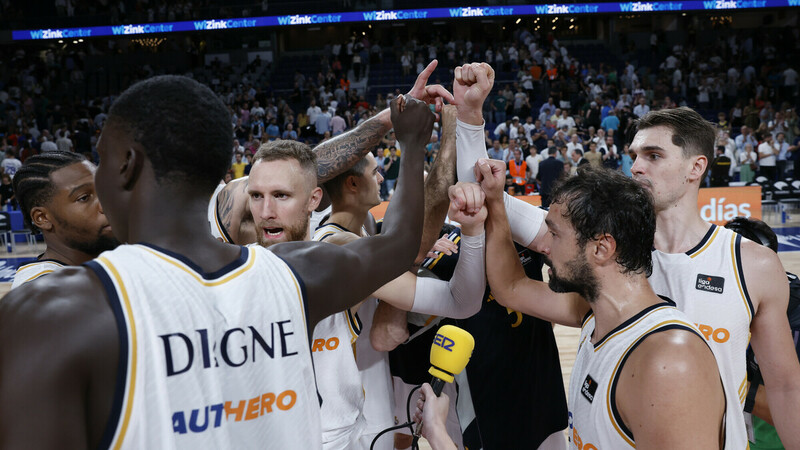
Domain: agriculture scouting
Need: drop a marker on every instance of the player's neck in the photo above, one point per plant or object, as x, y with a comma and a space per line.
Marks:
176, 221
679, 228
61, 252
351, 220
621, 297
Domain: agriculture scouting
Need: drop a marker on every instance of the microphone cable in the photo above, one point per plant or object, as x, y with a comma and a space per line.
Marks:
409, 424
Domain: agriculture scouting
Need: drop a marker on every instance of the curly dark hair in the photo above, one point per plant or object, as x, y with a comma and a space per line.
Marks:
601, 201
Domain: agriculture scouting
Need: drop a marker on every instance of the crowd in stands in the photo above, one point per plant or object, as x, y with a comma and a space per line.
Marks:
545, 99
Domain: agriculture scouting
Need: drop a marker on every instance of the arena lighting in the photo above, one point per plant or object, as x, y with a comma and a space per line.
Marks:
399, 16
518, 21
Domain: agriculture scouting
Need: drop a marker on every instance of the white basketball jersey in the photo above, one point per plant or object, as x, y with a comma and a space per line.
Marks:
209, 360
707, 283
33, 270
594, 420
217, 230
338, 378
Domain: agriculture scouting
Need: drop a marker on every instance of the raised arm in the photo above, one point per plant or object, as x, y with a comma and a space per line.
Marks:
336, 155
461, 296
471, 86
336, 278
510, 286
772, 338
440, 178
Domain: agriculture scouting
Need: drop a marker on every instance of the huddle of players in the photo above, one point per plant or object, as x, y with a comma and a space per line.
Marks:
640, 360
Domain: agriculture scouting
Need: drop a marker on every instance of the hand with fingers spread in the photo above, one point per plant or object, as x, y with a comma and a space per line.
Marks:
414, 124
467, 207
432, 411
491, 174
433, 94
443, 245
471, 86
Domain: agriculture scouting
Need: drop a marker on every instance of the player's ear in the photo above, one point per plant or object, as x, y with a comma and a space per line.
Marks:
352, 183
699, 164
131, 167
604, 249
316, 197
40, 217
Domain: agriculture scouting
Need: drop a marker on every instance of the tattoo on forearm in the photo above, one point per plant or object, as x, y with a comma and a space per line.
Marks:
338, 154
225, 208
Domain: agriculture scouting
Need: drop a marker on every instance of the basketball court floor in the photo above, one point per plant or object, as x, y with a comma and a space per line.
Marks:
786, 227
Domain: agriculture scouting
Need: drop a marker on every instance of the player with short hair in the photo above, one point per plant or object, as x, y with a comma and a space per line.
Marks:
633, 344
56, 194
735, 290
162, 344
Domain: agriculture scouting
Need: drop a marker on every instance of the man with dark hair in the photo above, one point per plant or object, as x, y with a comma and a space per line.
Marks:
633, 344
56, 194
120, 333
734, 289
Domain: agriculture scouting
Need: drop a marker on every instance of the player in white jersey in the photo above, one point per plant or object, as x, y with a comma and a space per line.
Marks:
733, 289
233, 220
74, 359
353, 193
633, 347
56, 193
674, 148
33, 270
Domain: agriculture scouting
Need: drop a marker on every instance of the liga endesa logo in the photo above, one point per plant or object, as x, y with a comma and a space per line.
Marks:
719, 205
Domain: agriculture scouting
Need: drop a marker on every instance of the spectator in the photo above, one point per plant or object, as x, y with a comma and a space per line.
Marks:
10, 164
391, 167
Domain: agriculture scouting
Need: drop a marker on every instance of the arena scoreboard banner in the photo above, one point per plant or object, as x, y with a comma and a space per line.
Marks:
397, 16
716, 205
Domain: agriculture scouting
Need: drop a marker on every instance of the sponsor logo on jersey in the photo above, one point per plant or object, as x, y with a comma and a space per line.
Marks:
710, 283
211, 416
588, 388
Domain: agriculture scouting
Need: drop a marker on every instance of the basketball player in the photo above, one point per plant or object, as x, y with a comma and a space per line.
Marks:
674, 147
232, 221
353, 194
735, 290
518, 346
56, 194
633, 344
160, 344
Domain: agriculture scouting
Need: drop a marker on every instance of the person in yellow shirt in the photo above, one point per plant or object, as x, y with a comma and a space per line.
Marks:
238, 166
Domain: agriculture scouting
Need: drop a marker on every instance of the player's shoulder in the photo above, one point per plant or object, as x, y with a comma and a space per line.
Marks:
67, 290
69, 305
673, 351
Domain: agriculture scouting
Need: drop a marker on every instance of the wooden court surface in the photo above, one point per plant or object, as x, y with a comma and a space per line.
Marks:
566, 337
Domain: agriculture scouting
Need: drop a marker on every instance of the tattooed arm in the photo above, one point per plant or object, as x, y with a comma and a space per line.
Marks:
233, 212
342, 152
336, 155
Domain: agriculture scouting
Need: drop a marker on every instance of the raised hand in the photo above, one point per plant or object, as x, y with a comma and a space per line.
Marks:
467, 207
491, 174
433, 94
471, 86
414, 124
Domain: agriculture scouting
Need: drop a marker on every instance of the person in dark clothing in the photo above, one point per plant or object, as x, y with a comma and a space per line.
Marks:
720, 168
550, 170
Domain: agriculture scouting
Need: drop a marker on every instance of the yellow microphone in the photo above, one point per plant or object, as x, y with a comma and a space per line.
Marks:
452, 347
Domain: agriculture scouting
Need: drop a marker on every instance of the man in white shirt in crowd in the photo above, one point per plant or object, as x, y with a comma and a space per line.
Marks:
642, 108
